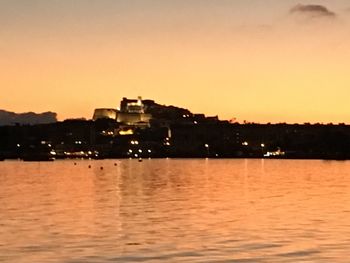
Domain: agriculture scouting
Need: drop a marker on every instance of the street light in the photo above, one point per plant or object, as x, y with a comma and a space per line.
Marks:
207, 147
262, 148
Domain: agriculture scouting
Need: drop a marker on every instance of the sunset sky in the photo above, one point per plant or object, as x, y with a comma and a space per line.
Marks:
261, 61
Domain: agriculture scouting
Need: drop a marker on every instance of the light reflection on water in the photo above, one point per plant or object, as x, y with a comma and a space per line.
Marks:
175, 210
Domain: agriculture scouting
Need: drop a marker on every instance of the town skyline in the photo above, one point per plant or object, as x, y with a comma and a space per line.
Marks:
284, 61
32, 118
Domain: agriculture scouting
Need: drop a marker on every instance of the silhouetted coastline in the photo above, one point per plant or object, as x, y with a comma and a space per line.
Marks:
174, 133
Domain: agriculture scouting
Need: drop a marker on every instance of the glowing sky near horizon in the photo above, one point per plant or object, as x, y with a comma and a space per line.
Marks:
253, 60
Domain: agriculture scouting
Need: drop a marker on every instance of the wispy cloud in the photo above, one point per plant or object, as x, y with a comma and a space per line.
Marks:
312, 11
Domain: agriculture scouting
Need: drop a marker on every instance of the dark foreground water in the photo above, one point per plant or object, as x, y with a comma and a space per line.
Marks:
175, 211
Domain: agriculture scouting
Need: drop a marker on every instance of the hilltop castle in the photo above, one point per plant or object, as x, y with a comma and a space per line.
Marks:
131, 112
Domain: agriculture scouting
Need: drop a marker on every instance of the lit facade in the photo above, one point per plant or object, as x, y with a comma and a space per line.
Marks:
105, 114
131, 113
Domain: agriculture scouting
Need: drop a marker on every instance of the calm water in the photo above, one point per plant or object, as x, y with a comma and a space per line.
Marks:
175, 211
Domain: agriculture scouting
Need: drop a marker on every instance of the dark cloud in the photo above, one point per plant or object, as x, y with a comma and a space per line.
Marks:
313, 11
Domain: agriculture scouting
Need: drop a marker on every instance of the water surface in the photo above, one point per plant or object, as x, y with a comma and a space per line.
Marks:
175, 211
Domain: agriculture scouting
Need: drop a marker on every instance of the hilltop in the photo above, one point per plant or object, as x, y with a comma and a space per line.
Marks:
12, 118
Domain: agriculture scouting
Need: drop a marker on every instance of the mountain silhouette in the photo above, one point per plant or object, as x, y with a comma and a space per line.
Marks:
12, 118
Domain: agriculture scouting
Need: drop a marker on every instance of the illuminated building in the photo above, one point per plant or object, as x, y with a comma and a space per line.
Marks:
132, 112
105, 114
132, 106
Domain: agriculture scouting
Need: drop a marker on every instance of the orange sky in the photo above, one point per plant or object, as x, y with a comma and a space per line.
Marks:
253, 61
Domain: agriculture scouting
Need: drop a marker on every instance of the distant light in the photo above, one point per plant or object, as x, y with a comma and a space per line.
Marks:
149, 151
140, 151
130, 151
126, 132
53, 152
136, 155
89, 152
245, 143
49, 145
206, 145
276, 153
262, 145
195, 122
18, 145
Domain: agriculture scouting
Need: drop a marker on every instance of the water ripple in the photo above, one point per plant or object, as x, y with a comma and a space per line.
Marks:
175, 211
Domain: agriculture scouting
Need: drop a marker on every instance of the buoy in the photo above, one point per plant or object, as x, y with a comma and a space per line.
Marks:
115, 164
75, 163
89, 166
101, 168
